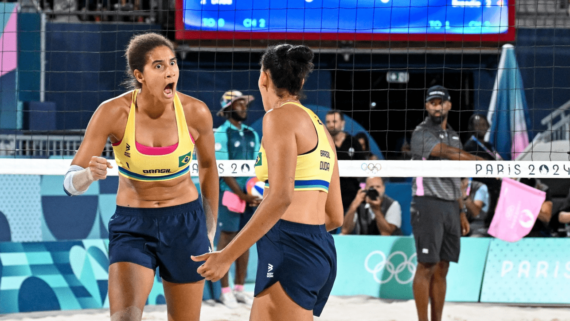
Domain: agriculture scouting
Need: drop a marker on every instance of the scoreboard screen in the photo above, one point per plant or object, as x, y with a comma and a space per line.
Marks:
416, 20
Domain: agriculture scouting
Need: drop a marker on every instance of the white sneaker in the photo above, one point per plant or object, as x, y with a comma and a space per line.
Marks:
229, 300
243, 297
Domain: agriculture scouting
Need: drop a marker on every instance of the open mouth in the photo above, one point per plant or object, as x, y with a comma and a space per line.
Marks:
169, 89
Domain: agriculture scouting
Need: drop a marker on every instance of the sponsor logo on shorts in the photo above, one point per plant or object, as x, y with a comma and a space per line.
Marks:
156, 171
184, 159
385, 270
269, 270
326, 154
425, 251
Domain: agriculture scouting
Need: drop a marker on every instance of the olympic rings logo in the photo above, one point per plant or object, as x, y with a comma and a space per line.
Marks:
394, 271
371, 167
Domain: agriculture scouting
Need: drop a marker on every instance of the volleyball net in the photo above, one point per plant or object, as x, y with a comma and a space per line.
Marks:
501, 60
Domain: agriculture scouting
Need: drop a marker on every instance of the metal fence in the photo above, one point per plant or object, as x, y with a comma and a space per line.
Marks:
44, 146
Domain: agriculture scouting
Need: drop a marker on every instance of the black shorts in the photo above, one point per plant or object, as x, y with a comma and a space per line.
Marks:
437, 229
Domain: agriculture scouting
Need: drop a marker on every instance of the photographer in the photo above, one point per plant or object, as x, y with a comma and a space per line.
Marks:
372, 212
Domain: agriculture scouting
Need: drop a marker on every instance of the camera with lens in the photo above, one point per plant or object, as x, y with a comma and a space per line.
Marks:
372, 194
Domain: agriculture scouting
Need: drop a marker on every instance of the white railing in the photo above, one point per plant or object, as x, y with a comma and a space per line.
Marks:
44, 146
557, 125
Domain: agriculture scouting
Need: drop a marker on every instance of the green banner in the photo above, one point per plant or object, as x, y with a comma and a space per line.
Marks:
384, 267
532, 270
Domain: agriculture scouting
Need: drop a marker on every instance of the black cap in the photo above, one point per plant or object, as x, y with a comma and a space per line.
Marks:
437, 92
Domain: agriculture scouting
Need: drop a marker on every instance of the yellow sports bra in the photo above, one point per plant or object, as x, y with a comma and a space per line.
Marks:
314, 169
143, 163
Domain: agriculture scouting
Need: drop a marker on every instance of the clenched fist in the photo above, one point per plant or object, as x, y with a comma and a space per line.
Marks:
98, 168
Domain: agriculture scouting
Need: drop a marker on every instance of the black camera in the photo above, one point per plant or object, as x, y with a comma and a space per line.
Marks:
372, 194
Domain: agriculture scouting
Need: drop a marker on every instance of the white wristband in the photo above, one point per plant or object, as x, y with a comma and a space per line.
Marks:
68, 181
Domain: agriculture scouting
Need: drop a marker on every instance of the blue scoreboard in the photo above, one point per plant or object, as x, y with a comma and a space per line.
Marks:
399, 20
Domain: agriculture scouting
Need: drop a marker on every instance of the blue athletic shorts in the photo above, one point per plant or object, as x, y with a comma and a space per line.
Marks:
229, 221
302, 258
160, 237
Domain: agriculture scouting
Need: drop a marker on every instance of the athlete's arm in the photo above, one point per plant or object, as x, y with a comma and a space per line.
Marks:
282, 161
201, 121
445, 151
88, 156
333, 207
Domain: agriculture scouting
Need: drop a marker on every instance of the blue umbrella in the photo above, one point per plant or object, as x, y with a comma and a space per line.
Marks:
508, 111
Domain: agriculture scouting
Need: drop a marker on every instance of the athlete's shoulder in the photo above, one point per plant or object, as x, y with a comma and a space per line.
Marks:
116, 106
193, 105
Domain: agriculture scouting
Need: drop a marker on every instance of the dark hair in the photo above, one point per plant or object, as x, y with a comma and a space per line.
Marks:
137, 53
332, 112
289, 66
472, 119
363, 136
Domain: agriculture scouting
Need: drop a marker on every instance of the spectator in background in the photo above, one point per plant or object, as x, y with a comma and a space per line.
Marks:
475, 204
564, 216
476, 145
560, 222
235, 140
541, 227
347, 148
362, 138
371, 214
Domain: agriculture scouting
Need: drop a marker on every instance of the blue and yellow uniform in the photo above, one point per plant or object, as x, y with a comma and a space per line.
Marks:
301, 257
158, 163
233, 143
158, 237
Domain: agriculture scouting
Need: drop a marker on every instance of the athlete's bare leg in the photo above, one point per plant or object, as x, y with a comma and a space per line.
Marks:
183, 300
437, 290
422, 281
273, 304
225, 239
241, 268
129, 286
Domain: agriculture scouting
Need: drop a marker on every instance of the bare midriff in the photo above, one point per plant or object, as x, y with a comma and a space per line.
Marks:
174, 192
307, 207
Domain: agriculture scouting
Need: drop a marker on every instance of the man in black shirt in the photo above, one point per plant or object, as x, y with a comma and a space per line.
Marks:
476, 145
347, 148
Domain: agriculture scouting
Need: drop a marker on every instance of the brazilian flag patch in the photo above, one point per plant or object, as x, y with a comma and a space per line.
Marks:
184, 159
258, 160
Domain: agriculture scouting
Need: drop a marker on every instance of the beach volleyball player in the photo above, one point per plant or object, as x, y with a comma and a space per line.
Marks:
297, 159
159, 220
